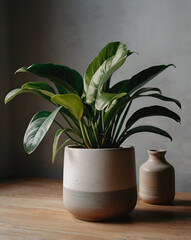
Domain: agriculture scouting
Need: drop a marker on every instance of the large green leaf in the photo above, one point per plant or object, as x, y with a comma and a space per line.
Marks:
37, 129
44, 88
139, 79
147, 89
144, 128
107, 68
19, 91
152, 111
108, 51
70, 101
13, 94
161, 97
120, 87
104, 99
67, 80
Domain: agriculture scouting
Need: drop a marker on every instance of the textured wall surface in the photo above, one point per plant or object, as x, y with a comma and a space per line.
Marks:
71, 32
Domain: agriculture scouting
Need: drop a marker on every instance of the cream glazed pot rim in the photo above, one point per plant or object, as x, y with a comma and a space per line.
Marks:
75, 147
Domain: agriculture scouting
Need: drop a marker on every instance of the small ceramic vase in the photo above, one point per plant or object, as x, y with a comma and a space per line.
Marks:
156, 179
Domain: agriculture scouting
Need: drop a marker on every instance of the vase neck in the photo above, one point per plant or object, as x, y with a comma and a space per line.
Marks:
157, 155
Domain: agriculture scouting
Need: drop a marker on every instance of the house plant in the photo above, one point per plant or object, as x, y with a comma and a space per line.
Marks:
96, 114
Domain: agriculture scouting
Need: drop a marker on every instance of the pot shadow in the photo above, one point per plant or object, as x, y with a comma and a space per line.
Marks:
155, 215
146, 215
183, 203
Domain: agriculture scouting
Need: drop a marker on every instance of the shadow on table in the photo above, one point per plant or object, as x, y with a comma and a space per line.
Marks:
154, 216
147, 216
186, 203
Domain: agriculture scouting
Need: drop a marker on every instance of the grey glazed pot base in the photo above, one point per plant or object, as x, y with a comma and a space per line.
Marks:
100, 206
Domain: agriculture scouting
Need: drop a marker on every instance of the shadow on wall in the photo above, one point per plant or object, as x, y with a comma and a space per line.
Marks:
25, 40
6, 168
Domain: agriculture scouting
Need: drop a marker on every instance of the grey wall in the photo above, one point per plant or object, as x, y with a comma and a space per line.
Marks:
71, 32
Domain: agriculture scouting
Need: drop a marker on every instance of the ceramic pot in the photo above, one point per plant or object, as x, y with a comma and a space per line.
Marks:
99, 184
156, 179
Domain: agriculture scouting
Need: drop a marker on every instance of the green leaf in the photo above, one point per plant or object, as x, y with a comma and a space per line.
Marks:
163, 98
120, 87
139, 79
144, 128
145, 76
55, 148
44, 88
116, 57
104, 99
37, 129
152, 111
106, 85
148, 89
13, 94
72, 102
67, 80
18, 91
108, 51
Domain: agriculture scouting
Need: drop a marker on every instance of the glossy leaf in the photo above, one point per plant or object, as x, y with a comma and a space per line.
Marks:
144, 128
18, 91
139, 79
152, 111
120, 87
72, 102
67, 80
44, 88
103, 73
37, 129
163, 98
147, 89
104, 99
13, 94
107, 52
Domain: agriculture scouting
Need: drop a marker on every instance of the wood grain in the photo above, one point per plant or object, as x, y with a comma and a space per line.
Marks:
32, 209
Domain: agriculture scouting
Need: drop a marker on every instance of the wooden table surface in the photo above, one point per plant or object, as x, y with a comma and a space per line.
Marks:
32, 209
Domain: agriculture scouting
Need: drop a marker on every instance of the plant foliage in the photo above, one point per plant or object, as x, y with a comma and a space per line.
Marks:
95, 112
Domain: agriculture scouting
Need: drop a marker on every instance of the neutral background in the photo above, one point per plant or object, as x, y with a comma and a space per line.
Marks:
71, 32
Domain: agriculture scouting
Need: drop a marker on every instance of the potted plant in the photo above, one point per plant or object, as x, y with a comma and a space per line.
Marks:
99, 174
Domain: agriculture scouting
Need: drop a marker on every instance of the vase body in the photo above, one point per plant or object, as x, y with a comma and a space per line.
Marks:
157, 179
99, 184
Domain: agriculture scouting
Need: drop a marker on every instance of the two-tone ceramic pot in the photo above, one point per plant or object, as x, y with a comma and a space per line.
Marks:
99, 184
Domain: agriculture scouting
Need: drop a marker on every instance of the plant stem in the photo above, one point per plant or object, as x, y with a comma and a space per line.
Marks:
58, 124
69, 123
102, 122
121, 122
95, 134
69, 130
83, 134
87, 135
